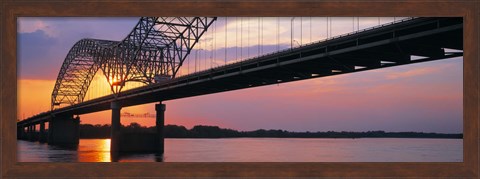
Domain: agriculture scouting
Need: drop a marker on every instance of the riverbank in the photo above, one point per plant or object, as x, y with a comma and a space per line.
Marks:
88, 131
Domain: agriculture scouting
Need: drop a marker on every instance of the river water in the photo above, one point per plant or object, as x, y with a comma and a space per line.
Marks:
259, 150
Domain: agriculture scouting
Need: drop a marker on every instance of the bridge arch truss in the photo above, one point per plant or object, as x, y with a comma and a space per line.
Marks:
155, 49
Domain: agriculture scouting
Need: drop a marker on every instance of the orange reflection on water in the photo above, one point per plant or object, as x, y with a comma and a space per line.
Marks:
93, 150
105, 155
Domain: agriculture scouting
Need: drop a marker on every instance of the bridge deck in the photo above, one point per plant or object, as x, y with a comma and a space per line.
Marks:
368, 49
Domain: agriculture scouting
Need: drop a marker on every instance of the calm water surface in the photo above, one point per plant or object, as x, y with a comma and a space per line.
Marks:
260, 150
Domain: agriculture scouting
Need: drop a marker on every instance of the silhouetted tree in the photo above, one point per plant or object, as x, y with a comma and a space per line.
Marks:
201, 131
174, 131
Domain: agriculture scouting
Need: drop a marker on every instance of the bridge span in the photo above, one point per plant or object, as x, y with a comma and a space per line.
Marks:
410, 41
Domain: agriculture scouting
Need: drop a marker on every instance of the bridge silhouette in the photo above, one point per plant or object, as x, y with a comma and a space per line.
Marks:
157, 47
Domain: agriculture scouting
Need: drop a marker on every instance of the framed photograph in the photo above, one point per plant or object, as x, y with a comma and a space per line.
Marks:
239, 89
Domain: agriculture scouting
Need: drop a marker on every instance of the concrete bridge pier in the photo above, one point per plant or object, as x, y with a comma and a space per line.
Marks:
31, 132
63, 130
21, 133
27, 134
115, 129
136, 142
160, 123
42, 134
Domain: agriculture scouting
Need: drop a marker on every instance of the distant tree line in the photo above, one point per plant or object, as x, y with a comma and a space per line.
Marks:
201, 131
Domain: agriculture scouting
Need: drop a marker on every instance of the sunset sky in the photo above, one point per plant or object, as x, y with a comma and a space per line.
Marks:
424, 97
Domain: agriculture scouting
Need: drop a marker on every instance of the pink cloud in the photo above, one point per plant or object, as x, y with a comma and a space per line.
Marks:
417, 72
29, 25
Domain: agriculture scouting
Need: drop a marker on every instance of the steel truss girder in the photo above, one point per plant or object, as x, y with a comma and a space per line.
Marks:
156, 46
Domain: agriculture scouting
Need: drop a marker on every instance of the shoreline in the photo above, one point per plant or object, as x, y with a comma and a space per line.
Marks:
214, 132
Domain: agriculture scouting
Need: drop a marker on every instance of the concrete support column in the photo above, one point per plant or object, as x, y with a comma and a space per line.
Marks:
160, 122
31, 132
50, 132
64, 130
42, 137
25, 133
19, 132
28, 134
115, 128
34, 132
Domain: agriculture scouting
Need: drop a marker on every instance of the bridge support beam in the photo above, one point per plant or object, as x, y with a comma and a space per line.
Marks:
27, 133
115, 129
160, 122
42, 134
64, 130
21, 133
31, 133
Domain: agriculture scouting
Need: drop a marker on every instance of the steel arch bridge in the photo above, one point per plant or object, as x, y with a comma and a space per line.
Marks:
154, 50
